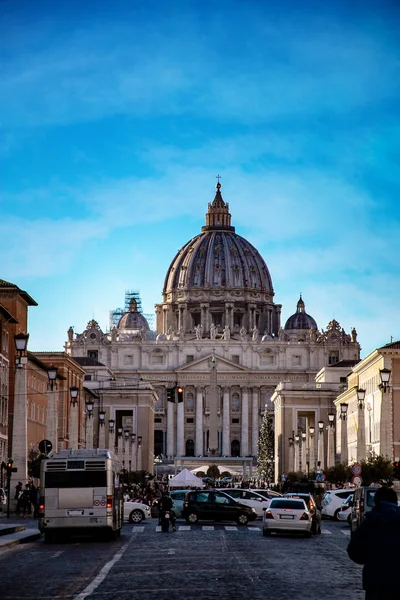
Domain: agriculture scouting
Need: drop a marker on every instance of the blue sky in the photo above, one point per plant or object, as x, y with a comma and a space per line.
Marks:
116, 117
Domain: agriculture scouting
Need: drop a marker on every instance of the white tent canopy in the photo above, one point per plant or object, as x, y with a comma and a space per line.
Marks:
185, 479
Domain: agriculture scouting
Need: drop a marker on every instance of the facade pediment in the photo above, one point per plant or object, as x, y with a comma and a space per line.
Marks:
203, 365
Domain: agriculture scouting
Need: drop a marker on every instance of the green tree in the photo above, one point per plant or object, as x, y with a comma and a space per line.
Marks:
377, 469
265, 459
34, 461
339, 474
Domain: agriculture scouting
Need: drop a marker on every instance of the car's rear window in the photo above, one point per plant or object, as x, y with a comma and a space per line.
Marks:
293, 504
304, 497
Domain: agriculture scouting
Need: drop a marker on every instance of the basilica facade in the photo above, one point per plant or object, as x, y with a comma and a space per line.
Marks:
218, 336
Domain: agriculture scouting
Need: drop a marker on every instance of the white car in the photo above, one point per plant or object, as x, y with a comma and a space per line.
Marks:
135, 512
287, 515
249, 498
344, 513
333, 500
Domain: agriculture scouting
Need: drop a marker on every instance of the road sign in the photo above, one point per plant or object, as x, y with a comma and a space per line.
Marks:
45, 446
320, 477
357, 480
356, 469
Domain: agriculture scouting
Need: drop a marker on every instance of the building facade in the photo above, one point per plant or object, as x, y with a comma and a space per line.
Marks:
219, 336
6, 319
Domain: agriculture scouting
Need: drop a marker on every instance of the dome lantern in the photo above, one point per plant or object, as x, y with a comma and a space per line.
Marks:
218, 215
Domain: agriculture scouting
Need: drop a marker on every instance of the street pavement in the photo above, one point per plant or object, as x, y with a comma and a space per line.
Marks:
202, 562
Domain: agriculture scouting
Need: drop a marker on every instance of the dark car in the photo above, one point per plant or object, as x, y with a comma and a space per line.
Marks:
214, 505
312, 507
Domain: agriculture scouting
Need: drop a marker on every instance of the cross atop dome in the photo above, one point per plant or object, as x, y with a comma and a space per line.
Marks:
218, 215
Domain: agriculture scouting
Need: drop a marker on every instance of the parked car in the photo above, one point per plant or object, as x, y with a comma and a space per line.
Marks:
269, 494
178, 498
312, 507
288, 515
135, 512
249, 498
344, 513
215, 505
333, 500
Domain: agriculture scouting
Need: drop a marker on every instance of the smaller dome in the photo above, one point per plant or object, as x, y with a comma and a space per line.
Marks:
161, 337
267, 337
300, 319
133, 320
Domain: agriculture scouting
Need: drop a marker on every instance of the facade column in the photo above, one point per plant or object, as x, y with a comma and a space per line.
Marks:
120, 443
180, 436
52, 417
321, 453
139, 457
344, 453
170, 430
89, 430
102, 435
361, 447
296, 454
244, 445
330, 459
254, 422
303, 452
20, 425
226, 424
199, 423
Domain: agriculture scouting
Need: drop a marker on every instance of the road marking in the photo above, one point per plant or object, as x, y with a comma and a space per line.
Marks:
171, 551
230, 528
57, 554
184, 528
139, 529
158, 528
208, 528
326, 531
345, 532
253, 529
93, 585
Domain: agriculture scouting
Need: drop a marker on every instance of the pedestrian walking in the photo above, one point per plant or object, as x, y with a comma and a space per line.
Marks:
375, 545
18, 490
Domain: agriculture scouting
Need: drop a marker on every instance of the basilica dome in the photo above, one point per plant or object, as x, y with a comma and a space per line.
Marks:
218, 257
133, 319
300, 319
218, 284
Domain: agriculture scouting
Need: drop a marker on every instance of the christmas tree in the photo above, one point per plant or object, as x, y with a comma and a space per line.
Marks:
265, 460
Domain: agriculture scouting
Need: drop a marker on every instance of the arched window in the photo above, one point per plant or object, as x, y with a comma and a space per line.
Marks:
235, 403
190, 402
189, 448
235, 448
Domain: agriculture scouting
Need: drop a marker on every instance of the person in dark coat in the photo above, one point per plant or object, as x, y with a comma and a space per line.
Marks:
376, 545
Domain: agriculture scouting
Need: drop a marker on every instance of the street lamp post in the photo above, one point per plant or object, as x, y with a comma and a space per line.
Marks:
311, 458
384, 375
133, 452
291, 455
126, 449
303, 452
344, 453
73, 431
52, 407
111, 434
120, 442
89, 424
139, 453
20, 416
102, 429
331, 441
361, 446
321, 453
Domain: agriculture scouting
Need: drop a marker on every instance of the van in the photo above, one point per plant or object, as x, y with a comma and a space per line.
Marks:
363, 502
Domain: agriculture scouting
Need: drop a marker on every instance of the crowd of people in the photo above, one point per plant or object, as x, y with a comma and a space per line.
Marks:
27, 498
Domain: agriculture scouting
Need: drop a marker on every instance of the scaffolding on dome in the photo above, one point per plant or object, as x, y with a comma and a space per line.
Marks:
130, 295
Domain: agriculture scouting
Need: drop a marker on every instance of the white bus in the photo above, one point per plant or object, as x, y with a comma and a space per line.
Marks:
80, 492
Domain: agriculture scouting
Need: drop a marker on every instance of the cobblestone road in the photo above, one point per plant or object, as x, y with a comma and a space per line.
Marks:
197, 562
